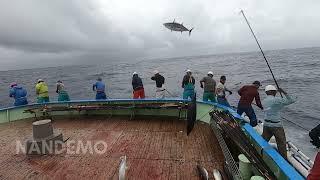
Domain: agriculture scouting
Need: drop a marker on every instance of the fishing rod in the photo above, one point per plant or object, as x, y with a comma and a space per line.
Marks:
261, 51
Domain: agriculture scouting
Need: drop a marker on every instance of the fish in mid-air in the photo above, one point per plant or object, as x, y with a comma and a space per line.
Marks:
173, 26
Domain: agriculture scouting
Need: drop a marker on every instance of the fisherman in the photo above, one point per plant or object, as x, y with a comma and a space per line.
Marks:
160, 94
272, 125
42, 92
209, 85
248, 93
63, 94
315, 135
100, 88
138, 90
19, 94
221, 92
188, 85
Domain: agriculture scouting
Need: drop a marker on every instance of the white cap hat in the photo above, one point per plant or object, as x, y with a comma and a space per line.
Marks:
188, 70
40, 80
134, 73
270, 88
155, 72
210, 72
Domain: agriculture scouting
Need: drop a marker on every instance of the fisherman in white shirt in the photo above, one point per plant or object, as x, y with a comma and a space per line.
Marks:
272, 120
221, 90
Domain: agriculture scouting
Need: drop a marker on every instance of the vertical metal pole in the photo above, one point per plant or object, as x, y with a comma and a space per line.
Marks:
8, 115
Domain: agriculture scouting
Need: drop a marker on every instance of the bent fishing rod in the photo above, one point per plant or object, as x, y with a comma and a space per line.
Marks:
275, 81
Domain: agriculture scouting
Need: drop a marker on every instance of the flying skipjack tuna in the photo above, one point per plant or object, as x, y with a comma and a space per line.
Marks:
173, 26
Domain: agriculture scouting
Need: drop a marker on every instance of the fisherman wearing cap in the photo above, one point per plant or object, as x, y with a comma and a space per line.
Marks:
138, 90
63, 94
100, 88
188, 85
159, 84
221, 92
209, 85
248, 93
272, 125
42, 92
19, 94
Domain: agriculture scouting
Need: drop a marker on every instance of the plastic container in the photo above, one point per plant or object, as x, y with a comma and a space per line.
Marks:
257, 178
245, 167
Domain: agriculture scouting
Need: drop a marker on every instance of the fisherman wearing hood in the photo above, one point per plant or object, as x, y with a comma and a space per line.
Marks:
159, 84
63, 94
19, 94
188, 85
138, 90
42, 92
100, 88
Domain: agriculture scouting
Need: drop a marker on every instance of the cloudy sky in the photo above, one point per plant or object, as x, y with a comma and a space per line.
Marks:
35, 33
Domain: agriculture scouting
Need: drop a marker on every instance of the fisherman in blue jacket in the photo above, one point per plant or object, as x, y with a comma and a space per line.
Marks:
19, 94
99, 87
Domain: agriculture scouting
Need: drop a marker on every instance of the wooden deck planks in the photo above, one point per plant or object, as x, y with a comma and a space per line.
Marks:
156, 149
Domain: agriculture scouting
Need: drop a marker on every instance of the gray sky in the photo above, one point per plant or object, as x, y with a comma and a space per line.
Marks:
37, 33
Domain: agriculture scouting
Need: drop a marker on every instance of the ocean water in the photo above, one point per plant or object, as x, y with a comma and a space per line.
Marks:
297, 71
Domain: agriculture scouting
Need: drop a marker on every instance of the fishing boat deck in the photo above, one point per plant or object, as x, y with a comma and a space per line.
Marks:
156, 148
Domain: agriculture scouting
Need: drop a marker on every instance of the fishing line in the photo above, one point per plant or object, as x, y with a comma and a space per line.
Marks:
291, 122
170, 94
261, 50
295, 123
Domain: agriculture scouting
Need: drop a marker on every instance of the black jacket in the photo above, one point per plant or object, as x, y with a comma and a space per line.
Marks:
136, 82
159, 80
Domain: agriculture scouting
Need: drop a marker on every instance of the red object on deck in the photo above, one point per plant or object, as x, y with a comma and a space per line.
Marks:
315, 171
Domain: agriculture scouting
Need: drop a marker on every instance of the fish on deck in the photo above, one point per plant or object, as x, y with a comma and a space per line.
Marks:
173, 26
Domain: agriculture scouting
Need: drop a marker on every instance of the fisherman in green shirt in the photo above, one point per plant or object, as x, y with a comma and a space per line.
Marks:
209, 85
42, 92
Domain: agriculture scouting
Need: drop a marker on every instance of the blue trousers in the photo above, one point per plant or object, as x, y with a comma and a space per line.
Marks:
223, 101
20, 101
250, 113
101, 95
